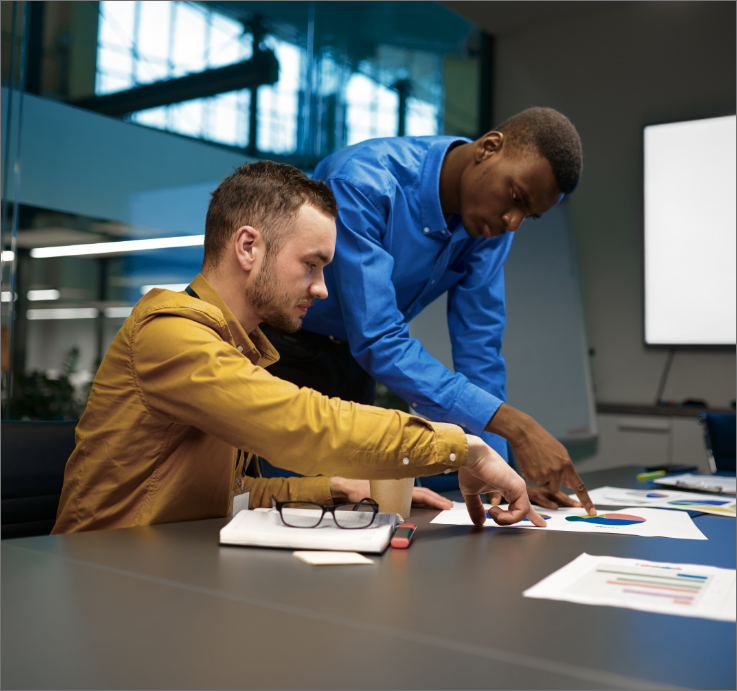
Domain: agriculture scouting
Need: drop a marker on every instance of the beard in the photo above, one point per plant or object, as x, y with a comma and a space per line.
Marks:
273, 306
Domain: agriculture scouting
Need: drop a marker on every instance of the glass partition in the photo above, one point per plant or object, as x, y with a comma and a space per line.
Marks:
119, 119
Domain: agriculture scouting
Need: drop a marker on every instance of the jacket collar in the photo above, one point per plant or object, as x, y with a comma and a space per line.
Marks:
255, 346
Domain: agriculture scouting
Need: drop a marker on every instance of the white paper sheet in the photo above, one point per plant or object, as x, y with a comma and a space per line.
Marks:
717, 504
704, 482
629, 521
331, 558
689, 590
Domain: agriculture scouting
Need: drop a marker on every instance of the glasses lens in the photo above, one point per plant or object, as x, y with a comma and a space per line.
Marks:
355, 515
299, 514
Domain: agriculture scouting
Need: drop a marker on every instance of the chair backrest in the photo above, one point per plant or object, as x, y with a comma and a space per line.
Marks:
720, 431
34, 455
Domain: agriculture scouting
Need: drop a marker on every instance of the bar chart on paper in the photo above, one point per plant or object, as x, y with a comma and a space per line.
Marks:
684, 589
644, 581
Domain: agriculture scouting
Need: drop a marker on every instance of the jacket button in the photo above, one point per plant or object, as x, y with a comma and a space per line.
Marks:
240, 349
405, 461
452, 457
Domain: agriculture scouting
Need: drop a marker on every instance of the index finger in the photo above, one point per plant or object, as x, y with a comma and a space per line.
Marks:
475, 508
573, 481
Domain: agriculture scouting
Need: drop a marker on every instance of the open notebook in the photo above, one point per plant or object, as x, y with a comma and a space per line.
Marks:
264, 528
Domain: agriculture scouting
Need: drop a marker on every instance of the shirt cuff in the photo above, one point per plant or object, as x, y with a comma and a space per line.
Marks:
474, 408
451, 445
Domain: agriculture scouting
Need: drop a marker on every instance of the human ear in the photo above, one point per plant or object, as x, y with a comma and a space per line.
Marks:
489, 144
248, 246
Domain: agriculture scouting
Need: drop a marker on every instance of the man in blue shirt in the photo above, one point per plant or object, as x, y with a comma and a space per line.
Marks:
417, 217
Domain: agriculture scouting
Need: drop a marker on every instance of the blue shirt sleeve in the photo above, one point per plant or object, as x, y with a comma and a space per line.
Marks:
376, 329
476, 321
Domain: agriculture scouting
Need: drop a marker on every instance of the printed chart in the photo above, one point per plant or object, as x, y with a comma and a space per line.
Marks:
718, 505
683, 589
633, 520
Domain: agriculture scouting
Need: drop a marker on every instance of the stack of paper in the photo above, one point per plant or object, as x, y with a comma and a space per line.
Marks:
264, 528
717, 504
704, 483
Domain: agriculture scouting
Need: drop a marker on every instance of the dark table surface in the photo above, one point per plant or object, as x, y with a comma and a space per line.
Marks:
167, 607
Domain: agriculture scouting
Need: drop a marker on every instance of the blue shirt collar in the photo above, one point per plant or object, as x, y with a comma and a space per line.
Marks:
430, 209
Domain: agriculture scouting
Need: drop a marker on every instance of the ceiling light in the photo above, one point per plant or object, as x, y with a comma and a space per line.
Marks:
118, 312
176, 287
117, 247
8, 256
34, 295
6, 296
63, 313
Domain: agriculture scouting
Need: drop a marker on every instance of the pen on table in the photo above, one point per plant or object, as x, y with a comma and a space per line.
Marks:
650, 476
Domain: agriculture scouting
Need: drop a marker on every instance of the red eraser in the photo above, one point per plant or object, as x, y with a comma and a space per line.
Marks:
403, 535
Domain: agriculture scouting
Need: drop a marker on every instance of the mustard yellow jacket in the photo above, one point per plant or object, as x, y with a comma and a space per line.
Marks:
182, 393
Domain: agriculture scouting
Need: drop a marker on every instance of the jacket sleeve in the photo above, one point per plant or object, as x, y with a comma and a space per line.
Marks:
187, 374
312, 489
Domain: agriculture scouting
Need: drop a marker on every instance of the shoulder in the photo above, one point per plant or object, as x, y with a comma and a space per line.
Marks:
379, 164
159, 303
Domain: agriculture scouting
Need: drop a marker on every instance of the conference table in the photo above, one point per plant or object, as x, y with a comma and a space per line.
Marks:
167, 607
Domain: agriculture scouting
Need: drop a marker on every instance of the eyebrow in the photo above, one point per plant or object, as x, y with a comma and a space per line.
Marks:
526, 202
324, 258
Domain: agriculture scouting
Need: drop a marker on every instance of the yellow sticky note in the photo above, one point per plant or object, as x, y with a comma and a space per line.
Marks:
326, 558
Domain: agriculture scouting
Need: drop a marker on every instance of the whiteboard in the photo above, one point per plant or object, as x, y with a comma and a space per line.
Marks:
545, 343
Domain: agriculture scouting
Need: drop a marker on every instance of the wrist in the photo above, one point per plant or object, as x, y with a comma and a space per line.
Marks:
338, 489
510, 423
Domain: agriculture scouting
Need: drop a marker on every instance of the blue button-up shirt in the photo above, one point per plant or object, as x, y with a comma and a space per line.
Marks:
395, 254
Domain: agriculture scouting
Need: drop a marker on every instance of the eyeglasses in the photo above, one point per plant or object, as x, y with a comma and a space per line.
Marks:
300, 514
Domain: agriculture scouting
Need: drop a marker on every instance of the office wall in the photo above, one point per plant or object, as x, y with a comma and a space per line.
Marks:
613, 71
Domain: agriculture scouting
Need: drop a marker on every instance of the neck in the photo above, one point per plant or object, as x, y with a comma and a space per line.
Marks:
454, 163
232, 290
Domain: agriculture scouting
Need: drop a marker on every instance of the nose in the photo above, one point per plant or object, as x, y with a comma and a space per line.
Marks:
318, 289
513, 220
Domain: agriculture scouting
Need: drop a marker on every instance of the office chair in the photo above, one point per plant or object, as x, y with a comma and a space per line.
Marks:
34, 455
719, 435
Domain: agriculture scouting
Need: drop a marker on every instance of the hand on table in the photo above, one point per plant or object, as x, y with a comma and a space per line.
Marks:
349, 491
542, 459
486, 471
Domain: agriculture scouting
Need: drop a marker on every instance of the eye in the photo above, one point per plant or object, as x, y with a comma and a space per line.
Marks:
312, 266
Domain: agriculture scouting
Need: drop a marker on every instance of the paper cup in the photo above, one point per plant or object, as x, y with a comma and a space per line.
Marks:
393, 496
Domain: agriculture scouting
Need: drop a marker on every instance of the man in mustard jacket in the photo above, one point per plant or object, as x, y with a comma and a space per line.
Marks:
182, 399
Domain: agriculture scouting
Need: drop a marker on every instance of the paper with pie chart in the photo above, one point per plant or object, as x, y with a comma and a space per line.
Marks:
690, 590
633, 520
716, 504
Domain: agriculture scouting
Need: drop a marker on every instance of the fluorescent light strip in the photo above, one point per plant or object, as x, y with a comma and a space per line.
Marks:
118, 312
117, 247
8, 255
6, 296
34, 295
63, 313
176, 287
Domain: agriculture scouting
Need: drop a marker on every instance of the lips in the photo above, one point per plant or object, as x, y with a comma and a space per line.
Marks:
491, 233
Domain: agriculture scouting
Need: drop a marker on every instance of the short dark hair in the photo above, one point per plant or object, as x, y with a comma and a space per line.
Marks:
266, 196
547, 133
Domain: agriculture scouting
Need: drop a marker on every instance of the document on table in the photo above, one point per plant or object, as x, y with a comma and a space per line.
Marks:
717, 504
629, 521
265, 528
690, 590
706, 483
